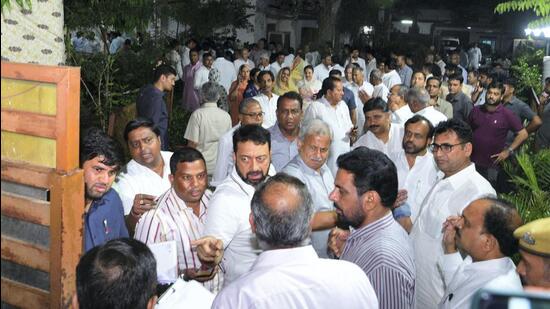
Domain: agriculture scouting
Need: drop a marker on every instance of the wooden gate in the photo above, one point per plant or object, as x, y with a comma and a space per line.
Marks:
42, 186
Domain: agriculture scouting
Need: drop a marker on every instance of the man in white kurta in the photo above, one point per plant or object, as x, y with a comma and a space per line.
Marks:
201, 75
322, 70
449, 196
267, 99
418, 100
227, 70
289, 274
363, 91
382, 135
401, 111
228, 226
416, 168
250, 112
332, 110
487, 264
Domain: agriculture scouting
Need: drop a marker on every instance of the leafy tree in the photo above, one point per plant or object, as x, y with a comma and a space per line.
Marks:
540, 7
24, 4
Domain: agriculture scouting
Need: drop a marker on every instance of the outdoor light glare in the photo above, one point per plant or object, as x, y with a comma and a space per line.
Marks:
407, 22
468, 27
538, 31
367, 29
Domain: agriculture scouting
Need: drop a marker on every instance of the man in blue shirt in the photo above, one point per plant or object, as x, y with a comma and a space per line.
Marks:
101, 159
150, 101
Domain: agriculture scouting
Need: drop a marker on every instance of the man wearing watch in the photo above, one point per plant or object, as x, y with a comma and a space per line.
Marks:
490, 125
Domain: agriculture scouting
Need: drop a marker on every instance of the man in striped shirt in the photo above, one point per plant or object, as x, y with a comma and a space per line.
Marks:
181, 213
365, 191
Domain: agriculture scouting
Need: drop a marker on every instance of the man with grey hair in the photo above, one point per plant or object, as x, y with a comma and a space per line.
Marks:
264, 65
250, 112
418, 100
310, 166
289, 274
401, 111
207, 125
380, 90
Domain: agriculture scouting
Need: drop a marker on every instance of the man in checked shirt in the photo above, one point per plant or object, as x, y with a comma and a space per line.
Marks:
180, 215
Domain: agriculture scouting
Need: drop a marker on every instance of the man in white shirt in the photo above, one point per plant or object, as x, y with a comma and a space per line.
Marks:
250, 112
181, 214
401, 112
228, 232
243, 60
201, 75
391, 77
371, 64
267, 99
354, 58
206, 125
227, 69
474, 57
145, 177
289, 274
322, 70
332, 110
310, 167
418, 100
189, 46
362, 91
416, 168
278, 64
284, 133
484, 233
264, 65
461, 184
379, 88
382, 135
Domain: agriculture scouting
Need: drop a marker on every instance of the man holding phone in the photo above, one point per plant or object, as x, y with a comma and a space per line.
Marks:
146, 176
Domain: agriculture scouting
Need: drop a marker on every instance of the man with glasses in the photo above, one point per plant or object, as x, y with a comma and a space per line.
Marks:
461, 184
285, 131
250, 112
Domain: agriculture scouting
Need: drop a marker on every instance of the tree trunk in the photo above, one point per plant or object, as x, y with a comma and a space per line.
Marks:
327, 21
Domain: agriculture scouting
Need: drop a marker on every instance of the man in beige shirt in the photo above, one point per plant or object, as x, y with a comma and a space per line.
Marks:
206, 125
433, 85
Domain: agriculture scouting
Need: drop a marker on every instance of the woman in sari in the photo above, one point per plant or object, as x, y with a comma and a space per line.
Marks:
253, 88
236, 92
283, 83
309, 87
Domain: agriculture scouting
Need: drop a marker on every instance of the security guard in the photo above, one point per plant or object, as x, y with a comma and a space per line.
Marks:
534, 247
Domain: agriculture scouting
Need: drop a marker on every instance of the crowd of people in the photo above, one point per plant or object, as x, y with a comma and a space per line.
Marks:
307, 184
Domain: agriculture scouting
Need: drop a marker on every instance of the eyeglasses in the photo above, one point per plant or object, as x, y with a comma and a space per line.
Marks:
254, 115
446, 148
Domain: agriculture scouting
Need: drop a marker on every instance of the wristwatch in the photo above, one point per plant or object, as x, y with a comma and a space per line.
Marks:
510, 150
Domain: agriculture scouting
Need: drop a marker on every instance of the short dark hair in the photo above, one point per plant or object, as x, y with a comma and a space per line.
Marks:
282, 228
461, 129
419, 118
139, 123
205, 55
434, 78
375, 103
163, 69
253, 133
309, 66
497, 85
185, 154
501, 220
330, 83
291, 95
511, 81
264, 72
95, 143
119, 274
335, 72
372, 170
457, 77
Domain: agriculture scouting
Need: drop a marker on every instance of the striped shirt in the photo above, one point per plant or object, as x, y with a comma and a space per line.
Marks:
383, 250
173, 220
